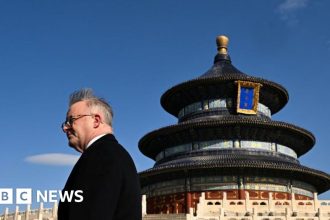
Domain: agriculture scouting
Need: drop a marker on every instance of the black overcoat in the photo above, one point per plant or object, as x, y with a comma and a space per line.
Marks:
107, 176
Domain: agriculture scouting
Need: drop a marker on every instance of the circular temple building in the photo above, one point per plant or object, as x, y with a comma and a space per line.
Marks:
226, 145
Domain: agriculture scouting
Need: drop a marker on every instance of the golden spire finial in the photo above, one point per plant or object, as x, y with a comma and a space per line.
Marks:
222, 42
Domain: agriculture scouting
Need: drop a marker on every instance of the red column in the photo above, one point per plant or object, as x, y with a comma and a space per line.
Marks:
188, 201
241, 194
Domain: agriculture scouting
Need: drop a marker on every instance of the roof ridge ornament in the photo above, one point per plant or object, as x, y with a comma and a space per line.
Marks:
222, 55
222, 43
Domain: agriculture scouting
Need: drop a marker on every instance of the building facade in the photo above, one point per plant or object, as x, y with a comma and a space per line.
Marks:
226, 153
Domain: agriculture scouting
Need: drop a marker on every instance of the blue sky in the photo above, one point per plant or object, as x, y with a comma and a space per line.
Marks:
131, 52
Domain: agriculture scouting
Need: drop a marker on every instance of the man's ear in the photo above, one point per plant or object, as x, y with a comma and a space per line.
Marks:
97, 120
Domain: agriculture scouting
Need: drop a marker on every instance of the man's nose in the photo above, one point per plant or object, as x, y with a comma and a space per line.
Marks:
65, 128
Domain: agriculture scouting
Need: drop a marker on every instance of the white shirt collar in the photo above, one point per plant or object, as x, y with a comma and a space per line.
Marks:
93, 140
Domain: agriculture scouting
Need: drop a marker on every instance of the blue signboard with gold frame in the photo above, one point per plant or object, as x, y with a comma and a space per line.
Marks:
247, 97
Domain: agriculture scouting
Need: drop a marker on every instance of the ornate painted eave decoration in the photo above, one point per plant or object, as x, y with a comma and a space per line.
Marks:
318, 178
240, 127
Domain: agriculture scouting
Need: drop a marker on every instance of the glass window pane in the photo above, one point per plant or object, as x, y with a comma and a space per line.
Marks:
214, 103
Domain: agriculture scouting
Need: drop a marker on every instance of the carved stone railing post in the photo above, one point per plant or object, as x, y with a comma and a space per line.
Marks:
293, 202
224, 199
315, 201
40, 211
6, 214
16, 213
247, 201
27, 212
270, 202
54, 211
144, 205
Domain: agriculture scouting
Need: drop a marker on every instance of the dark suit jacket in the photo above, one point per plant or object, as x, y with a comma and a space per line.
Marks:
107, 176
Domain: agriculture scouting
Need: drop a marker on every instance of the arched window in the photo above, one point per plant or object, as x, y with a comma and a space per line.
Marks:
301, 203
278, 203
286, 203
232, 203
263, 203
240, 203
209, 203
255, 203
217, 203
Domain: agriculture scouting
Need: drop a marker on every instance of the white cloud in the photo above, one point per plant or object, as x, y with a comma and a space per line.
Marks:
288, 8
53, 159
291, 5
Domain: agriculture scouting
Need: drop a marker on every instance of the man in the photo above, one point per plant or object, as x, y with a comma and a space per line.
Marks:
105, 172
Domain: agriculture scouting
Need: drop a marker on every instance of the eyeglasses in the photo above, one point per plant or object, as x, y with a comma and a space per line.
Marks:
69, 121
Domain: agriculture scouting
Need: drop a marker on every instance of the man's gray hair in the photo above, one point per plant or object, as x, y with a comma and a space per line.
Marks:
87, 94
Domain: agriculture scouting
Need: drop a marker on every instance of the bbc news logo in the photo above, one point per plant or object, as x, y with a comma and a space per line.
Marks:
26, 196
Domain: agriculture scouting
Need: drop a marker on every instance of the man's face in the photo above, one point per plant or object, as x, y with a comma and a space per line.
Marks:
79, 130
